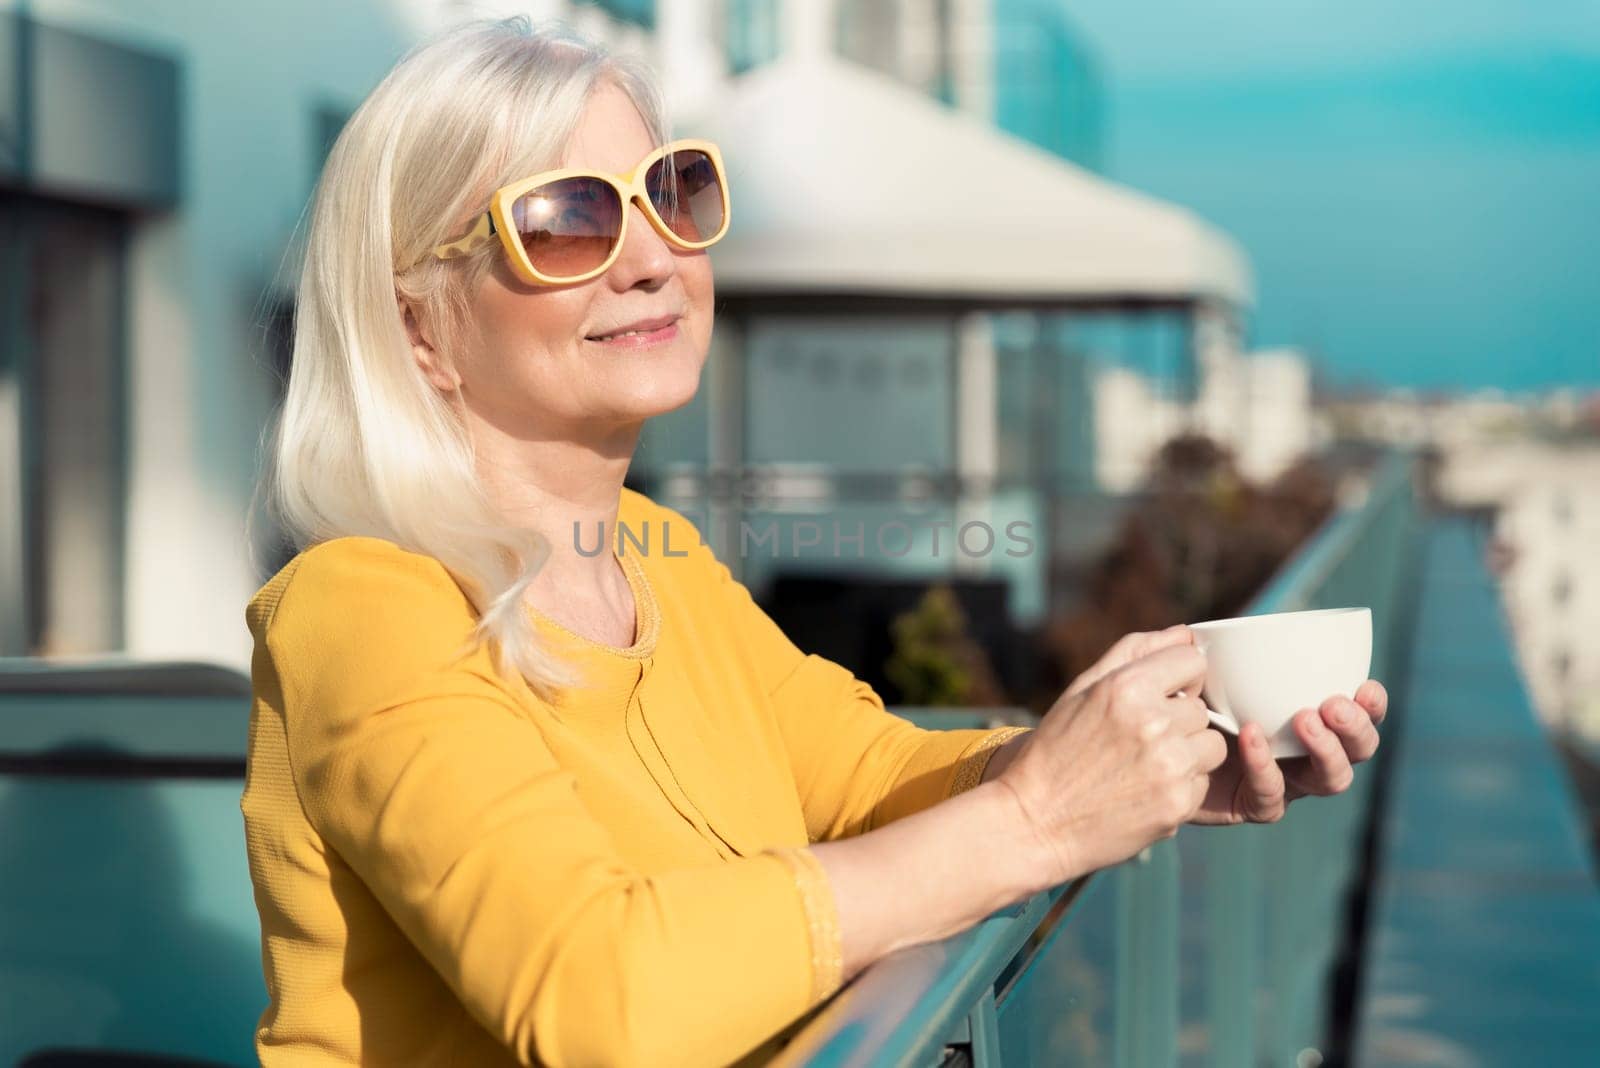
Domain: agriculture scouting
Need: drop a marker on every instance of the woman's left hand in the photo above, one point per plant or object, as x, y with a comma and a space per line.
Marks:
1253, 787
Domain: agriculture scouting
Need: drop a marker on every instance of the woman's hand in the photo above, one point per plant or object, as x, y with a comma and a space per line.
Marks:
1118, 762
1252, 787
1129, 648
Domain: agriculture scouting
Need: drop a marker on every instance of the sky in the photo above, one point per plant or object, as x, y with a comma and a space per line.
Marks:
1416, 182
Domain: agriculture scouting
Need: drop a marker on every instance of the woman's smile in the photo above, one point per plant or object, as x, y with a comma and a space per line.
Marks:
644, 334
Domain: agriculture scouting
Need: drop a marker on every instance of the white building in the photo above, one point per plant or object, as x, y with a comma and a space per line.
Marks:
1547, 501
1278, 424
1258, 405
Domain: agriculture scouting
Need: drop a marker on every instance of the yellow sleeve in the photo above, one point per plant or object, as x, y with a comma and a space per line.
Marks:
430, 777
857, 766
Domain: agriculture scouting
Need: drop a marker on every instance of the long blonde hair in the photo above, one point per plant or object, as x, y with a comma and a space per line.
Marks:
364, 445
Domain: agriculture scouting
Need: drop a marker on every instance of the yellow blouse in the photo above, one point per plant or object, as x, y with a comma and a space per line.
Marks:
450, 870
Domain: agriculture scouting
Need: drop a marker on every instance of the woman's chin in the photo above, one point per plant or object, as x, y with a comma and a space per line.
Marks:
652, 385
647, 396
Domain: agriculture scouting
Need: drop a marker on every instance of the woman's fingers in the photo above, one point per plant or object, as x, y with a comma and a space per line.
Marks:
1133, 646
1210, 751
1189, 714
1330, 771
1262, 796
1352, 724
1339, 734
1174, 667
1127, 649
1372, 697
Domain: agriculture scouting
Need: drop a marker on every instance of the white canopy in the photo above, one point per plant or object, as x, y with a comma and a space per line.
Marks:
844, 181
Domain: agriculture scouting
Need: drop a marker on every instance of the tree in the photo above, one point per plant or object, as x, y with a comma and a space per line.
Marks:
935, 662
1200, 545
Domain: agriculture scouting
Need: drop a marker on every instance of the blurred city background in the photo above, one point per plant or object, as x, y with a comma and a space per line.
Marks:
1172, 289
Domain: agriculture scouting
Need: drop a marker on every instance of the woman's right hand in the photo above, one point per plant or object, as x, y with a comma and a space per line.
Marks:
1117, 764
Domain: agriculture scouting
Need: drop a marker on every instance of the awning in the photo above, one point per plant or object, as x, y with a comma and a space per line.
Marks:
844, 181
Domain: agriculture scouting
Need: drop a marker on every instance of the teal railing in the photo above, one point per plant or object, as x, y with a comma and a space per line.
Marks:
1483, 922
1218, 947
128, 928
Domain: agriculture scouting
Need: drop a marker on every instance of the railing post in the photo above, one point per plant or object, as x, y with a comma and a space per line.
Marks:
983, 1030
1147, 958
1234, 904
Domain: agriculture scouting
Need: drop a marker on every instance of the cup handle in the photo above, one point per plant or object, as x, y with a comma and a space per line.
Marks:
1224, 723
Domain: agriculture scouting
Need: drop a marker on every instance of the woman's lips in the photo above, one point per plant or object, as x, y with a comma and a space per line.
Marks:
650, 331
640, 341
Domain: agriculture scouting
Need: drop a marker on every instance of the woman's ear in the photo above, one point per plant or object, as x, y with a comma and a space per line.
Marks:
434, 366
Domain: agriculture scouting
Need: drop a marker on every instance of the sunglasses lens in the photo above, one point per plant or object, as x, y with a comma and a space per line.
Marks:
568, 227
686, 191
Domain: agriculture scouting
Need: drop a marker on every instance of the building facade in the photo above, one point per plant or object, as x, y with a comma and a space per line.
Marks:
1545, 497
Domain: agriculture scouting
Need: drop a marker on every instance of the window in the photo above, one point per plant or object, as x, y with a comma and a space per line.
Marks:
89, 138
62, 420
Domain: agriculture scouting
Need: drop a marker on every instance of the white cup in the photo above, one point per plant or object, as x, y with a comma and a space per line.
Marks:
1263, 669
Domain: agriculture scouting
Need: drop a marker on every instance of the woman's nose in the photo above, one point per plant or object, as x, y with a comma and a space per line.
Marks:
645, 258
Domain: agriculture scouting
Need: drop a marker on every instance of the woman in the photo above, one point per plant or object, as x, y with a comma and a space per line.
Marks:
512, 799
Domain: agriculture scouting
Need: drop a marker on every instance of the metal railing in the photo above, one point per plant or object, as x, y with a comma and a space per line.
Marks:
128, 927
1217, 947
1483, 897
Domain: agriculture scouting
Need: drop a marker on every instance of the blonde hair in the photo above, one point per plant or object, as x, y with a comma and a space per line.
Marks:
364, 444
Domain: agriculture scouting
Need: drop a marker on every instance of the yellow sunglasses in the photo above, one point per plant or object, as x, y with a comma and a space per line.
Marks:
568, 225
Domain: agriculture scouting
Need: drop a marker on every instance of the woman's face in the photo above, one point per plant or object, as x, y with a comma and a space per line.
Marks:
538, 368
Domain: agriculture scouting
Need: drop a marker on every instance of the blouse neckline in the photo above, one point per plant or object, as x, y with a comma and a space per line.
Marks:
647, 616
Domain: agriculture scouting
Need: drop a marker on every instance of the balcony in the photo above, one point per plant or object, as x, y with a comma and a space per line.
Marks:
1444, 912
